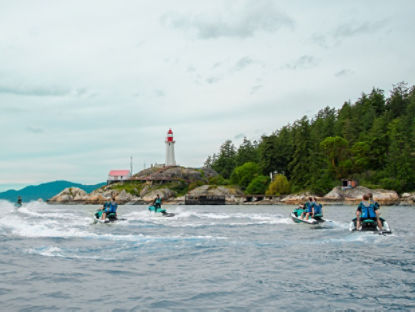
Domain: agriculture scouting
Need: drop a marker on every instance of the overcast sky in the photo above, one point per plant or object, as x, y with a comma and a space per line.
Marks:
86, 84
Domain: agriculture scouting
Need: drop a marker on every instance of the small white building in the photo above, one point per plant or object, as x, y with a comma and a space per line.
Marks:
118, 175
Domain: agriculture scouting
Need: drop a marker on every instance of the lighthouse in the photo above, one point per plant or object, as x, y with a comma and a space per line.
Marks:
170, 159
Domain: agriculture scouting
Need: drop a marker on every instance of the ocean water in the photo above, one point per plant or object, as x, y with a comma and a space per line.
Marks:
206, 258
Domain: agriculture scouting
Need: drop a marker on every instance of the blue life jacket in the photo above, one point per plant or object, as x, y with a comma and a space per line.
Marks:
309, 206
375, 204
107, 206
113, 207
158, 201
317, 208
367, 211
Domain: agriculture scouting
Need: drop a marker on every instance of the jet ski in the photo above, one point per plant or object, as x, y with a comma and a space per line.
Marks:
111, 217
371, 225
296, 214
160, 210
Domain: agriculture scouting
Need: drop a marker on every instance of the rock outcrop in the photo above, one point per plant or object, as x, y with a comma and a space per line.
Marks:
70, 194
232, 194
354, 195
176, 173
408, 199
296, 199
164, 193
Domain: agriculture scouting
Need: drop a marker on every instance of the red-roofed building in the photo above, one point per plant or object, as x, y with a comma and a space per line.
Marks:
118, 175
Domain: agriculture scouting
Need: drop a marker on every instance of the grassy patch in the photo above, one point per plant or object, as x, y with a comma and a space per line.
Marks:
132, 187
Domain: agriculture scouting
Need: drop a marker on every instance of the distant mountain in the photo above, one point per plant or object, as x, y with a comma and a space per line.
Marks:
45, 190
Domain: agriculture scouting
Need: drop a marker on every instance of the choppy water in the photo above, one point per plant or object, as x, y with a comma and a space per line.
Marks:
205, 258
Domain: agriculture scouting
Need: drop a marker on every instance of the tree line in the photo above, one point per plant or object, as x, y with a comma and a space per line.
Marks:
371, 141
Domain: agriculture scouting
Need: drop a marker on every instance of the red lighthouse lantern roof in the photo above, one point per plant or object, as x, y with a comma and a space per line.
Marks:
170, 136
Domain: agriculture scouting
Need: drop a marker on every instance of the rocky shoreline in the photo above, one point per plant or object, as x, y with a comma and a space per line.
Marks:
337, 196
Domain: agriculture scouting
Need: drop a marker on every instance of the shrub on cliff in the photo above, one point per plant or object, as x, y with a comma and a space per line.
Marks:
243, 175
258, 185
279, 186
218, 180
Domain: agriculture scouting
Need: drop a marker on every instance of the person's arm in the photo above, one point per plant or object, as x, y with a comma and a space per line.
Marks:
359, 210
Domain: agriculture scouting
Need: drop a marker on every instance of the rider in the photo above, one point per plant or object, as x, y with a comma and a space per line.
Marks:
105, 206
110, 208
19, 200
309, 208
375, 203
318, 208
157, 203
367, 210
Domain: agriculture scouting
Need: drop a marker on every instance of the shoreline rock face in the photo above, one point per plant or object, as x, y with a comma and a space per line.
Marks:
70, 194
408, 199
354, 195
233, 196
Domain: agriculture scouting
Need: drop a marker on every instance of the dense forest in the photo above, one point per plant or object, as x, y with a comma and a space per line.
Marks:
371, 141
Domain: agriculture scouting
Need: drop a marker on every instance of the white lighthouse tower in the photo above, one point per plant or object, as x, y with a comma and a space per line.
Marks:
170, 159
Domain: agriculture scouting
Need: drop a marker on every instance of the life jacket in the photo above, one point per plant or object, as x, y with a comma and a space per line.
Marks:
374, 203
106, 206
309, 206
368, 211
113, 207
317, 208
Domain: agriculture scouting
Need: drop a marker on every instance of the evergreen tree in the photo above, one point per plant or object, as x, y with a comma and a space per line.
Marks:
299, 166
247, 152
225, 161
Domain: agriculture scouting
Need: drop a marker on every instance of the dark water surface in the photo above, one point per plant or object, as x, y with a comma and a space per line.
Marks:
245, 258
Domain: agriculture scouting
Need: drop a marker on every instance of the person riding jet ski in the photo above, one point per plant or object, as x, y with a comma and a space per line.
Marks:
108, 211
367, 210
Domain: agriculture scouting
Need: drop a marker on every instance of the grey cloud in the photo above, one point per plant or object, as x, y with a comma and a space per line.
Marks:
352, 29
212, 80
34, 91
216, 65
343, 72
347, 30
239, 136
242, 63
159, 93
34, 130
254, 89
191, 69
255, 17
305, 61
320, 40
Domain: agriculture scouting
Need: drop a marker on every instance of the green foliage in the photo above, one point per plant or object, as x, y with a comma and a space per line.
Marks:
225, 162
218, 180
247, 152
300, 166
323, 184
132, 187
258, 185
279, 186
243, 175
336, 150
392, 184
372, 140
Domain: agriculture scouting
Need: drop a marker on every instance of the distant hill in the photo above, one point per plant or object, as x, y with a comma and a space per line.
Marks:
45, 190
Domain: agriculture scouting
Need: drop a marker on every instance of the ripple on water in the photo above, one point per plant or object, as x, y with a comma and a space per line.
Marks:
217, 258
